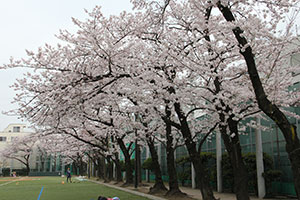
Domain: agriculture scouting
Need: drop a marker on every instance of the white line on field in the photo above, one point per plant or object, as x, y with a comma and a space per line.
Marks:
10, 182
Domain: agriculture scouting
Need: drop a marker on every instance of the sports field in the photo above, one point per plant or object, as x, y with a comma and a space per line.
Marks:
52, 188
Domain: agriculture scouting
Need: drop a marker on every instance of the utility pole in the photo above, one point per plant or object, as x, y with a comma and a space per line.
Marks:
259, 163
219, 162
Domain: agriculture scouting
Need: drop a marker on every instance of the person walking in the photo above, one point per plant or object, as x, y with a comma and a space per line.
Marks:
69, 175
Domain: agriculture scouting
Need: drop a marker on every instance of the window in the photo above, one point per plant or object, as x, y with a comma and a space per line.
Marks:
16, 129
295, 60
2, 139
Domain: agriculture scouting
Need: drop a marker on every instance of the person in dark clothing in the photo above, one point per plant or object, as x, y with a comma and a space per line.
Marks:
102, 198
69, 175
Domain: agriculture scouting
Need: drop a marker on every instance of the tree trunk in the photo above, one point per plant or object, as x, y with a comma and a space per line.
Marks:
233, 148
271, 110
129, 167
173, 181
74, 164
202, 177
97, 167
26, 163
27, 169
82, 167
137, 163
109, 169
118, 168
100, 172
104, 168
159, 184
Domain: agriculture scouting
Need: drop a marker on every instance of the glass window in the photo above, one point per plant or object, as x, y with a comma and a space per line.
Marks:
295, 59
2, 139
16, 129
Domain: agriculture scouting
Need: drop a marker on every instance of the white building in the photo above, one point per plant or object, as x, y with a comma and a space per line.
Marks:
295, 60
40, 163
6, 136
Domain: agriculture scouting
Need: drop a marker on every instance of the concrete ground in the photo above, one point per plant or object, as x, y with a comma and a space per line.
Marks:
192, 194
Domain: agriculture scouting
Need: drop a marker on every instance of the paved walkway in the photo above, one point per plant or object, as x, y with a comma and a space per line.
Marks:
130, 190
193, 193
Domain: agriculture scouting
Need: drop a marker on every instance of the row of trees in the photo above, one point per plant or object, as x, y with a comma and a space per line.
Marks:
148, 75
22, 149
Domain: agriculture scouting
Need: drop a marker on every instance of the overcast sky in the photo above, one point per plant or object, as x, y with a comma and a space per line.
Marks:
28, 24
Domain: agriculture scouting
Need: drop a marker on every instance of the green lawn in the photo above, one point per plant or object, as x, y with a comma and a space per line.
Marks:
29, 188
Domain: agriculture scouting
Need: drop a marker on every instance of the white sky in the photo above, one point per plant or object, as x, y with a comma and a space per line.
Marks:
28, 24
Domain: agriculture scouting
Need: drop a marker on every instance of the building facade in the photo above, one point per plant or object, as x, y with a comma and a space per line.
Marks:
6, 137
40, 162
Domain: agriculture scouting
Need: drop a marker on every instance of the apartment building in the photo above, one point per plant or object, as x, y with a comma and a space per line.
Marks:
40, 162
6, 136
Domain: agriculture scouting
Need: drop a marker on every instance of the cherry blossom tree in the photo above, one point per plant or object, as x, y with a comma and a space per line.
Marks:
169, 64
70, 150
202, 30
20, 149
73, 73
276, 61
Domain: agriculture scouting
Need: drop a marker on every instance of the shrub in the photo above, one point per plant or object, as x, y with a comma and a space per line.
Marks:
208, 159
250, 162
6, 171
148, 164
123, 166
21, 172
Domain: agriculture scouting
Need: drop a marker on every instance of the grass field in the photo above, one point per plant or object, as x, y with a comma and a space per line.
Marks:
51, 188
